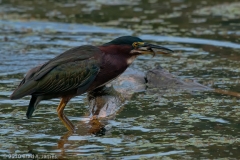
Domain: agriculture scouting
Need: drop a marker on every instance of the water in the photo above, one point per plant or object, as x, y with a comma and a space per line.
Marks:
176, 125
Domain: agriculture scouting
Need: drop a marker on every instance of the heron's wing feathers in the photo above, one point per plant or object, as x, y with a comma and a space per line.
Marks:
74, 68
65, 77
74, 54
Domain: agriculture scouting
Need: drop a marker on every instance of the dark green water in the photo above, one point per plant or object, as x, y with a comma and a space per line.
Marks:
206, 38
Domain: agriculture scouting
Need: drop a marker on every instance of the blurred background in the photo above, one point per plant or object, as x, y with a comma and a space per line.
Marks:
206, 38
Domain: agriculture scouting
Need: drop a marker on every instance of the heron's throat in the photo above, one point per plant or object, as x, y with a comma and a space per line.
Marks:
131, 59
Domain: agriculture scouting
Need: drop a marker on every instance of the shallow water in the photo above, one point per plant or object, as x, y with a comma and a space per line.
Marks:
206, 40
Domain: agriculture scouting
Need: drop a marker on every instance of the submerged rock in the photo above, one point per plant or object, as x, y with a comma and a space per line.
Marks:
161, 81
106, 101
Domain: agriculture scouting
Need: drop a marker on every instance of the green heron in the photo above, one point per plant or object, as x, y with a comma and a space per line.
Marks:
79, 70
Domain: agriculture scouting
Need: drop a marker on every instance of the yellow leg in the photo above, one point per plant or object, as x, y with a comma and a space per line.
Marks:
67, 123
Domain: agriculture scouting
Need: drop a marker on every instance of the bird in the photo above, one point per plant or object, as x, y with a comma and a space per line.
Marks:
81, 69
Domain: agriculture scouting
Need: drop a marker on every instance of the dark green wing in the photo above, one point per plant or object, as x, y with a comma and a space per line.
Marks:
68, 76
74, 54
75, 68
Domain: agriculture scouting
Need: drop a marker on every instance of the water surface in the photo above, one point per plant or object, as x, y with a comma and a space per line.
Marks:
206, 39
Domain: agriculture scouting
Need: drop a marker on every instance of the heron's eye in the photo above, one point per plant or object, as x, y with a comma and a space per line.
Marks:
135, 44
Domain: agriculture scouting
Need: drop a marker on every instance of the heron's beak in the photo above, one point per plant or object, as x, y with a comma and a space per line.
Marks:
147, 48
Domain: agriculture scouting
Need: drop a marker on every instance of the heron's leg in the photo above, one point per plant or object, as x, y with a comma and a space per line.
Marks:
67, 123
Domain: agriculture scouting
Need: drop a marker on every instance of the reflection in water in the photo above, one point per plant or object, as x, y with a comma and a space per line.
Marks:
101, 103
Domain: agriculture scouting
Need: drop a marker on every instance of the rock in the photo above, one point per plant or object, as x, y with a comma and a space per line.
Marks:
106, 101
161, 81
